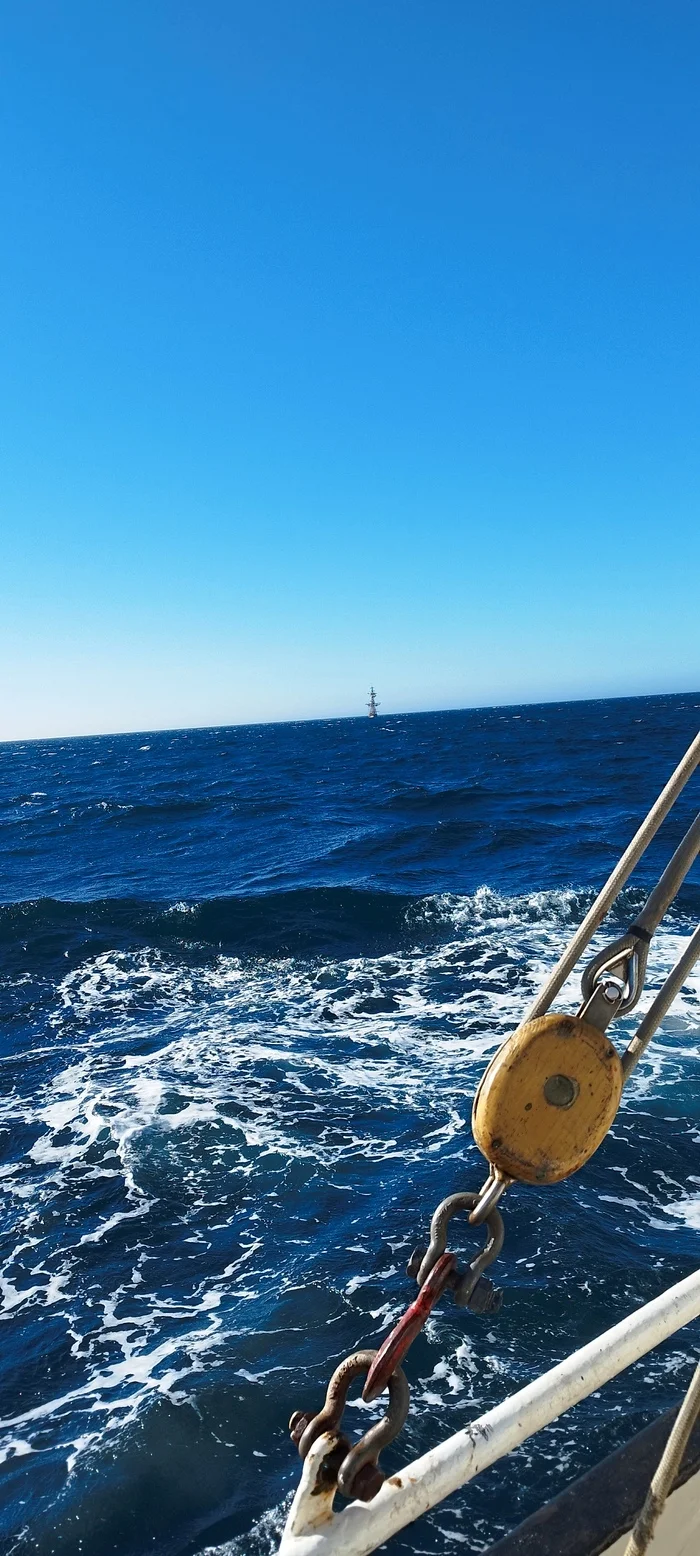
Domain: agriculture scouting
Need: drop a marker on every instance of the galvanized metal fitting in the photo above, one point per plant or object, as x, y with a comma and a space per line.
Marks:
463, 1282
358, 1472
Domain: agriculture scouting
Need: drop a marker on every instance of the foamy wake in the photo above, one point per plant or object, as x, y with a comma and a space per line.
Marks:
200, 1109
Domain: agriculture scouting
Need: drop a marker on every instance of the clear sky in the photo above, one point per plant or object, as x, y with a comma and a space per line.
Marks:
346, 340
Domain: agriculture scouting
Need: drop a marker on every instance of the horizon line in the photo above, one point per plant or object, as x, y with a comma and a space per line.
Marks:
344, 718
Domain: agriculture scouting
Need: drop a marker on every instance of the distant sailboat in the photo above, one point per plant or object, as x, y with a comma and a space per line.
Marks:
372, 704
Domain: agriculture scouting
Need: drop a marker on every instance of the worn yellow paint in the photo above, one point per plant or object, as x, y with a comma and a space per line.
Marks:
517, 1128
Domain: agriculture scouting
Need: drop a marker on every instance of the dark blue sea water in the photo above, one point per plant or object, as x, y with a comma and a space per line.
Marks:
250, 978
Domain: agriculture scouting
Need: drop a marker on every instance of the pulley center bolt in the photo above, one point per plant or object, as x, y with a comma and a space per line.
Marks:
560, 1091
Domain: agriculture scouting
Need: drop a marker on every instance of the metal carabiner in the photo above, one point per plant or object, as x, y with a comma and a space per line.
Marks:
465, 1282
358, 1474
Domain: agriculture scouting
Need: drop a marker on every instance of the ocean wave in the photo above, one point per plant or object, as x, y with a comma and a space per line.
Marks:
314, 920
236, 1076
215, 1174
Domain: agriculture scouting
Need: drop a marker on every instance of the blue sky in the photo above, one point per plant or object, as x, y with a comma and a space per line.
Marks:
346, 340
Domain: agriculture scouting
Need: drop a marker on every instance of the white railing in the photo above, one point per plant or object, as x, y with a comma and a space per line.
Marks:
313, 1529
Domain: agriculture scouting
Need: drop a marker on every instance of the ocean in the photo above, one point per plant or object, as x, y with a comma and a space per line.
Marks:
250, 979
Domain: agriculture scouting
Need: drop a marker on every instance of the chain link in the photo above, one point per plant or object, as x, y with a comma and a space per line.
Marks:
436, 1271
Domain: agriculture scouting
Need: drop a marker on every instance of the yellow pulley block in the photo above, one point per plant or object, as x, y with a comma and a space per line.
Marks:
547, 1099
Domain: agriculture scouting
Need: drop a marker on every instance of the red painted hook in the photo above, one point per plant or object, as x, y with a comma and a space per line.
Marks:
409, 1325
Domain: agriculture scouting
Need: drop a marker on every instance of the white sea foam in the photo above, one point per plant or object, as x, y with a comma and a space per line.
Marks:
221, 1084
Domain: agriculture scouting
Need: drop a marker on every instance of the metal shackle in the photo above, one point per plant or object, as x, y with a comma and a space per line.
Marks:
465, 1281
358, 1474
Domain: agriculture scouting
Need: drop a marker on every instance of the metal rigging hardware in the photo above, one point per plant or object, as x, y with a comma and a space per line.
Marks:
543, 1106
355, 1469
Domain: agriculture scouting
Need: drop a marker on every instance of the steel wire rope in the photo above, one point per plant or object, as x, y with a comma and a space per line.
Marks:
616, 880
665, 1474
662, 1002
